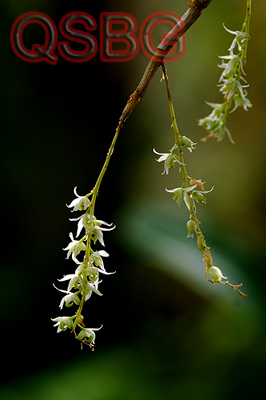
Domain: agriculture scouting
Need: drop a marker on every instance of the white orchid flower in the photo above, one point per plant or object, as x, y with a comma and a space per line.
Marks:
87, 335
169, 160
63, 323
80, 203
74, 248
182, 194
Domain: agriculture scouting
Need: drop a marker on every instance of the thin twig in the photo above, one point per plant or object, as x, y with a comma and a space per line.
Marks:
195, 8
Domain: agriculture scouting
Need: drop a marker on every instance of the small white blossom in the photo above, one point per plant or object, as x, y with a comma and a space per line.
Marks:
74, 248
87, 269
74, 280
182, 194
240, 38
79, 281
92, 226
231, 67
97, 233
63, 323
97, 258
87, 335
198, 195
215, 121
81, 203
93, 274
241, 101
88, 288
169, 160
69, 299
232, 86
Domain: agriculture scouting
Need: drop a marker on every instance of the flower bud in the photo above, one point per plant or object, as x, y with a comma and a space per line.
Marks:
187, 143
191, 228
216, 274
201, 242
80, 320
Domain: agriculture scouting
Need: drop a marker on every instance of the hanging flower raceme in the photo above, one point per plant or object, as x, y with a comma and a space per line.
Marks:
232, 85
84, 282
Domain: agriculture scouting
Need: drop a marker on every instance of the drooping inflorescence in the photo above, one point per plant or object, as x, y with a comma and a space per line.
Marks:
85, 280
232, 83
190, 192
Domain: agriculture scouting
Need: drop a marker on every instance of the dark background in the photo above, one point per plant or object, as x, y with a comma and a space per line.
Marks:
166, 331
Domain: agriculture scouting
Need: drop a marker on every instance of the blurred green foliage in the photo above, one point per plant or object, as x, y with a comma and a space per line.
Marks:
167, 332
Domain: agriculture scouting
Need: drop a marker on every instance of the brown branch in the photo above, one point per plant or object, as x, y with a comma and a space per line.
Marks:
195, 8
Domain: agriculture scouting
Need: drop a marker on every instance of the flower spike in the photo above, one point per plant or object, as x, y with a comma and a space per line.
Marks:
231, 84
85, 280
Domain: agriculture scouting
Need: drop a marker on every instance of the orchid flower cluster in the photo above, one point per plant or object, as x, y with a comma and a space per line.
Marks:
85, 281
232, 83
190, 192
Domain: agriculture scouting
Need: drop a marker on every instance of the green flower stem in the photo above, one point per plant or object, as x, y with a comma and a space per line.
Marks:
175, 128
88, 251
203, 248
201, 242
91, 211
78, 314
104, 168
245, 29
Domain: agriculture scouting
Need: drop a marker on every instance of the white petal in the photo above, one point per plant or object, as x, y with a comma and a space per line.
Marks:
187, 200
190, 188
93, 288
80, 226
67, 277
103, 253
103, 223
63, 291
172, 190
162, 158
228, 30
106, 273
73, 203
75, 191
160, 154
76, 219
108, 229
207, 191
